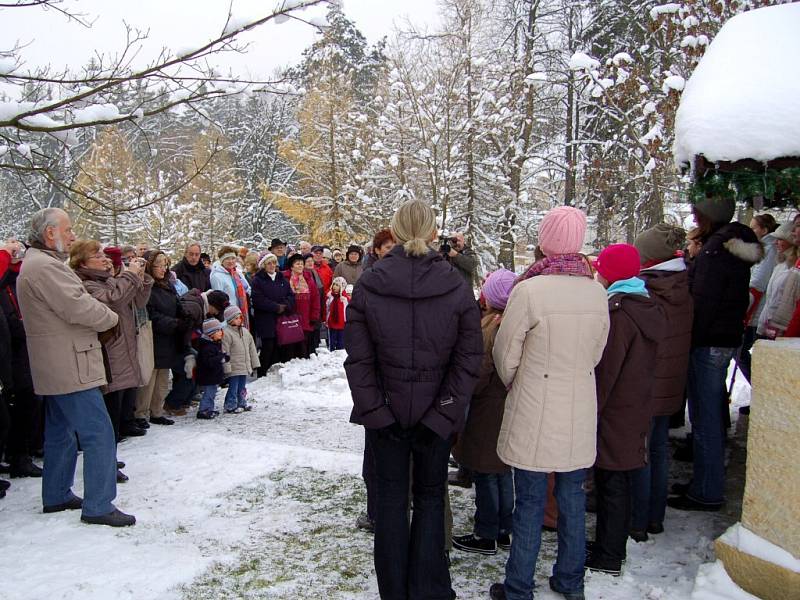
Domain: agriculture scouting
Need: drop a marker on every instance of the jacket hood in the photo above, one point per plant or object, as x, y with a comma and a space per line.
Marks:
402, 276
643, 311
738, 240
670, 286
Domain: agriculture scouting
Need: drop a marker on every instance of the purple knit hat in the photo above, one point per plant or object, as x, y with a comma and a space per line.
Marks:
497, 288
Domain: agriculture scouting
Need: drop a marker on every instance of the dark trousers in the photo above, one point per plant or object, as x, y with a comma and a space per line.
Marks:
410, 562
272, 353
613, 514
494, 504
5, 422
369, 475
183, 389
25, 411
120, 406
745, 360
335, 339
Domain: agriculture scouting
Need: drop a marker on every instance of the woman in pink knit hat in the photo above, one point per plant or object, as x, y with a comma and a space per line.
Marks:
552, 335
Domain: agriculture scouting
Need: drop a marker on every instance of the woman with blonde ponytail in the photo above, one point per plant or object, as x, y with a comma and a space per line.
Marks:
414, 350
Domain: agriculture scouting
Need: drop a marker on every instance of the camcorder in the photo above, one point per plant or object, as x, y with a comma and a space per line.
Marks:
446, 243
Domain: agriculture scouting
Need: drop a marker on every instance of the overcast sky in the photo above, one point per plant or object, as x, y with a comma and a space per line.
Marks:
178, 24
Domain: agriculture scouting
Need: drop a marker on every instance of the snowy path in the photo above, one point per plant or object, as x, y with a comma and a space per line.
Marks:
262, 505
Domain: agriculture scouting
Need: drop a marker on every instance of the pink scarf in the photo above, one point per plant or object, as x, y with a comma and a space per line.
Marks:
241, 296
575, 265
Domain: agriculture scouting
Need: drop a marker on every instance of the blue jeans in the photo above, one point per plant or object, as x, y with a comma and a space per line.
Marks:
649, 484
708, 368
410, 562
494, 503
531, 496
335, 339
207, 399
236, 395
82, 414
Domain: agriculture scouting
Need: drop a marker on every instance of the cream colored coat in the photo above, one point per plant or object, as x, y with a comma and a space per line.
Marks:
62, 321
552, 336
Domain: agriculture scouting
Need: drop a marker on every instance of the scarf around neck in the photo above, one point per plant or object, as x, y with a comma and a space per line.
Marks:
634, 285
574, 265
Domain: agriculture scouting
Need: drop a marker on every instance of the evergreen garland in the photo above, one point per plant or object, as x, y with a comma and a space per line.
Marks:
779, 187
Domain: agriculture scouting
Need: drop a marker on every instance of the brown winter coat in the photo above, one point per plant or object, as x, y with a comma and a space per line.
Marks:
625, 382
552, 335
351, 272
476, 447
670, 290
123, 294
61, 323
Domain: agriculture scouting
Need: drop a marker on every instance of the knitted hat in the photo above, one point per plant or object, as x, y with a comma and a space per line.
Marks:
659, 243
327, 253
784, 232
341, 281
562, 231
263, 260
210, 326
497, 288
718, 210
231, 313
317, 249
355, 248
618, 262
217, 299
276, 242
115, 254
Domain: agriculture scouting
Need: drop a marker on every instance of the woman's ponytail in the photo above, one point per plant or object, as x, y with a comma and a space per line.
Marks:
414, 225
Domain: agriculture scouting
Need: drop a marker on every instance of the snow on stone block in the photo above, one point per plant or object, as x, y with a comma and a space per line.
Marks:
741, 100
739, 537
713, 583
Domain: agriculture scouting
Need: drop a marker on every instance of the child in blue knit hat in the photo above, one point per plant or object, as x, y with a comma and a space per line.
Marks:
210, 366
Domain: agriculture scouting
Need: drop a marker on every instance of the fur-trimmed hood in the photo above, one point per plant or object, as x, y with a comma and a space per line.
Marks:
739, 240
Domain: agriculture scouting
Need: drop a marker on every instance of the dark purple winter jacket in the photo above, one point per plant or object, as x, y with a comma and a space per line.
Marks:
265, 296
414, 344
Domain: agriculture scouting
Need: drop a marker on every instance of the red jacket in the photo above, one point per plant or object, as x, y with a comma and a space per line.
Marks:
335, 312
306, 306
326, 274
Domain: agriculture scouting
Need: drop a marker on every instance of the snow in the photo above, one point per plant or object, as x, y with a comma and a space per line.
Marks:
535, 77
262, 505
738, 536
96, 112
236, 22
740, 102
714, 583
621, 57
582, 61
664, 9
25, 150
3, 149
673, 82
7, 65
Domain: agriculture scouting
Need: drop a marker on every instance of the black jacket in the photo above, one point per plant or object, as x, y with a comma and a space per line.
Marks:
18, 348
169, 327
625, 381
719, 279
195, 277
265, 296
210, 359
414, 344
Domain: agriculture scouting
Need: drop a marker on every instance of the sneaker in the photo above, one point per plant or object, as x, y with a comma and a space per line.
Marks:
132, 431
142, 423
74, 503
4, 485
609, 567
116, 518
247, 408
472, 543
504, 541
121, 477
161, 421
364, 522
233, 411
205, 414
120, 464
655, 528
497, 591
590, 548
686, 502
568, 595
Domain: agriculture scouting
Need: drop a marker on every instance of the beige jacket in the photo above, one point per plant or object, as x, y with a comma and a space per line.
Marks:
552, 335
61, 324
238, 343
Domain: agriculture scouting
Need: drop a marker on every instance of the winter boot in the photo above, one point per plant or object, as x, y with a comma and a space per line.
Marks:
116, 518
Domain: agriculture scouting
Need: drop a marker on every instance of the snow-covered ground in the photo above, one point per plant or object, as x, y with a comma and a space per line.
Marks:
263, 505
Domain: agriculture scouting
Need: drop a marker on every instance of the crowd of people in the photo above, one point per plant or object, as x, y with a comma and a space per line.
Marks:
556, 380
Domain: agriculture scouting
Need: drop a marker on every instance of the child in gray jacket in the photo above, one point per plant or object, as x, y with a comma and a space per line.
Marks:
240, 346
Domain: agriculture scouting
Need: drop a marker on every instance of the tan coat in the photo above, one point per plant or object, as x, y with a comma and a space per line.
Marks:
61, 324
238, 343
123, 294
551, 338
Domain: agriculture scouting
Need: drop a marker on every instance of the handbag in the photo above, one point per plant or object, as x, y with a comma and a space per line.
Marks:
144, 351
289, 330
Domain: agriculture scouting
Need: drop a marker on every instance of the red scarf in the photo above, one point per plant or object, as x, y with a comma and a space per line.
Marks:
575, 265
241, 296
336, 318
